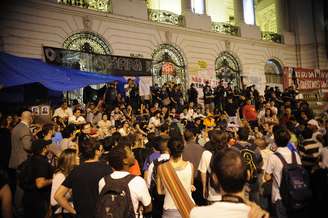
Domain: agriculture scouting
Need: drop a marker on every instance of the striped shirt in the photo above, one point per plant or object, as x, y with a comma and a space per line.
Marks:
310, 152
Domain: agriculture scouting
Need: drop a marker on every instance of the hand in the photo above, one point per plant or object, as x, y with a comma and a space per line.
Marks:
193, 188
256, 211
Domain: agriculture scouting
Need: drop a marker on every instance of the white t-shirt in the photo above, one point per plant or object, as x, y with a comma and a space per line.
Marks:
204, 166
138, 189
57, 180
76, 120
221, 209
274, 166
185, 176
63, 113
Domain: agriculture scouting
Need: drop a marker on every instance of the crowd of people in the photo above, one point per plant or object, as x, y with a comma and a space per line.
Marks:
234, 152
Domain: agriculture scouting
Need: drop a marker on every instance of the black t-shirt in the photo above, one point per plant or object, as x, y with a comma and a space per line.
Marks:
83, 181
40, 168
231, 109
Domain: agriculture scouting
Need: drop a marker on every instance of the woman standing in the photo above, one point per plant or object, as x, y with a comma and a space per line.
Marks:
66, 162
184, 171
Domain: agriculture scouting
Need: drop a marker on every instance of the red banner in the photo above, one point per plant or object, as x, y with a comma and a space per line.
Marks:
306, 79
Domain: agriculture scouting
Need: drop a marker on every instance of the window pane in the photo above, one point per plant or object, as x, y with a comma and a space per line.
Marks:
197, 6
220, 11
249, 12
166, 5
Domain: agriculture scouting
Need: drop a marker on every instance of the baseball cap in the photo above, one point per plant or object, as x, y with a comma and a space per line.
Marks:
313, 122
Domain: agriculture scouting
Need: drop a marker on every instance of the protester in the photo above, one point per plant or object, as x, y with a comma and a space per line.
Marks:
185, 172
241, 119
67, 161
83, 181
36, 199
121, 158
230, 174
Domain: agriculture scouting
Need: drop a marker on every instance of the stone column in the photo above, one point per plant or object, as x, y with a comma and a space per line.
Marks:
239, 12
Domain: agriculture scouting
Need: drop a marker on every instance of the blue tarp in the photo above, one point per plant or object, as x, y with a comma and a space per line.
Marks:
16, 71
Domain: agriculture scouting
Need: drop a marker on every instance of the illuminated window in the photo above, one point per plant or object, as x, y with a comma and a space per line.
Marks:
273, 73
168, 65
220, 11
249, 16
266, 17
198, 6
165, 5
87, 42
227, 68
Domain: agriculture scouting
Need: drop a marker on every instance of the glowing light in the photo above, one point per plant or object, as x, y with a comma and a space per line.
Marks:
198, 6
249, 12
166, 5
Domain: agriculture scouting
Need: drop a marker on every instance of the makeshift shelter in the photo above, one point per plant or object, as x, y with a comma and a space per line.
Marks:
16, 71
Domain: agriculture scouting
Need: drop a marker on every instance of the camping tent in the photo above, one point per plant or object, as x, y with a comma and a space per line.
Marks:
16, 71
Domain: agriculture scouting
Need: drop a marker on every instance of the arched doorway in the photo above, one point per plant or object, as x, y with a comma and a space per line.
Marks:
227, 68
168, 65
86, 42
273, 73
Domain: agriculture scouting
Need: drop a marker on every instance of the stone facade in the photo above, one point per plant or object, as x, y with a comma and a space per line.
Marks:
28, 25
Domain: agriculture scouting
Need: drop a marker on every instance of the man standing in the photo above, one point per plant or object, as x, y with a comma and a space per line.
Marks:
83, 181
229, 172
192, 94
21, 141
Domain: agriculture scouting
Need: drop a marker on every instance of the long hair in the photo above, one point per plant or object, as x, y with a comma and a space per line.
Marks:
66, 161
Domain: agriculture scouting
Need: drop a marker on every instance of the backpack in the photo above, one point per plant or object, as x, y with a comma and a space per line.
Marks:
295, 184
114, 200
252, 160
25, 175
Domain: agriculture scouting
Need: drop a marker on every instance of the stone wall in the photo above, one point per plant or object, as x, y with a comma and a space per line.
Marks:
27, 25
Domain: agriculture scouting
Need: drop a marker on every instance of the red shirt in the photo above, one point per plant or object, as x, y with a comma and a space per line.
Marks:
249, 112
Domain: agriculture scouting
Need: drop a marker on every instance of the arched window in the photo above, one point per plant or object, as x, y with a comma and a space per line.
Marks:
227, 68
273, 73
168, 65
87, 42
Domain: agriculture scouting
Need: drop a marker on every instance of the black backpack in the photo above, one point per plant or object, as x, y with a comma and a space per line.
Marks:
295, 184
25, 175
114, 200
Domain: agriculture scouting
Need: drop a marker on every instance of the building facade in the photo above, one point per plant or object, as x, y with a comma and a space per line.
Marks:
235, 40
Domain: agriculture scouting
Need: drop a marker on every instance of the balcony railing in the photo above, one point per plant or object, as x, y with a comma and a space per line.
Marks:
166, 17
97, 5
225, 28
271, 36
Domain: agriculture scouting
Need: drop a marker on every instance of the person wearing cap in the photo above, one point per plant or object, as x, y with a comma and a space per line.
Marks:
314, 126
36, 200
310, 149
